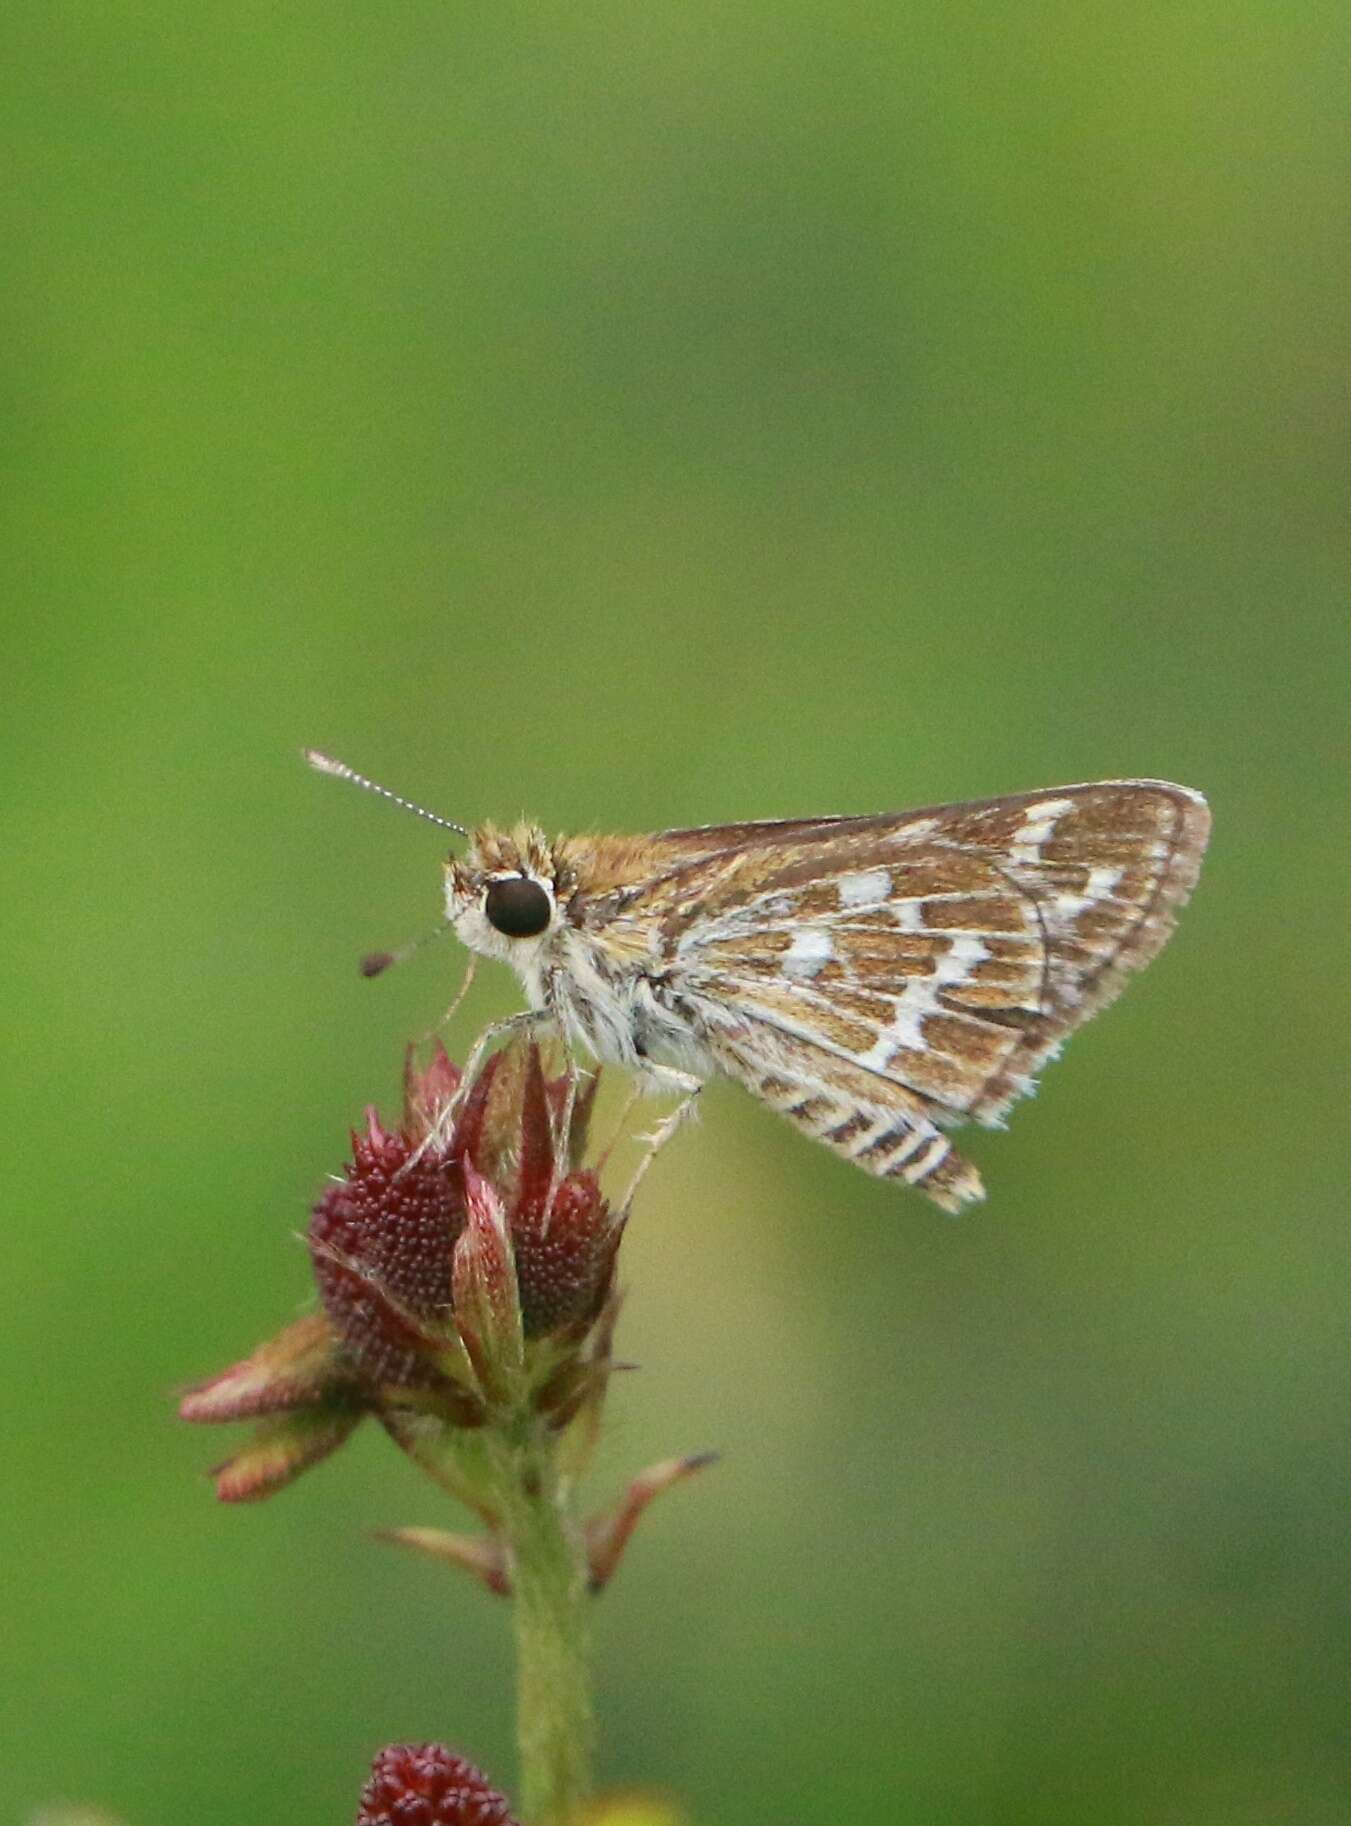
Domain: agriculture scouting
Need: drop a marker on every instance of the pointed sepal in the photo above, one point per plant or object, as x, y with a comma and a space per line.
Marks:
480, 1555
609, 1533
302, 1366
486, 1298
282, 1447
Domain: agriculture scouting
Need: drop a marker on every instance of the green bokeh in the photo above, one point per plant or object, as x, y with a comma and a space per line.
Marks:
652, 415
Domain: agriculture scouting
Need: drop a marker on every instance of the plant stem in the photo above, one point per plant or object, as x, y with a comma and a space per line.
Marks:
554, 1719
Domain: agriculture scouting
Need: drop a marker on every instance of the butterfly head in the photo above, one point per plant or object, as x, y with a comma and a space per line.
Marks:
502, 895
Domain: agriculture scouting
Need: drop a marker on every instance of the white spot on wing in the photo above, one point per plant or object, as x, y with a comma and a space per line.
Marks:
964, 954
867, 888
1101, 880
810, 950
905, 1030
1066, 908
1039, 820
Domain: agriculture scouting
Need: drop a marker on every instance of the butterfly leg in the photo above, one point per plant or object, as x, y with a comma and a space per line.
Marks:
664, 1077
525, 1022
621, 1123
563, 1127
465, 982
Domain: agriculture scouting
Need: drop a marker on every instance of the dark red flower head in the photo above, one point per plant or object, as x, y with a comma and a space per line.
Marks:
463, 1262
384, 1239
425, 1785
466, 1266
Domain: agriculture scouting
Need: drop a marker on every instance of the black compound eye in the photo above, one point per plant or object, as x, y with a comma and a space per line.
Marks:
517, 906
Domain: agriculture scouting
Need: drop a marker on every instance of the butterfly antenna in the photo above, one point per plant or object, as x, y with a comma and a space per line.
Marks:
325, 764
375, 963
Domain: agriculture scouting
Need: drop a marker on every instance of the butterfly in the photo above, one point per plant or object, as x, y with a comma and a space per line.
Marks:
877, 980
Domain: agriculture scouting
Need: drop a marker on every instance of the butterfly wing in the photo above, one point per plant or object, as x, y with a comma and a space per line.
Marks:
878, 979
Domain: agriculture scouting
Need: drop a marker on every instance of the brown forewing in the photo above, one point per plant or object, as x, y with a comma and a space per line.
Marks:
995, 929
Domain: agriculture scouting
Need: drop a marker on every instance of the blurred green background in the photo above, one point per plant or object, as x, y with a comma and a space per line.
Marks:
646, 415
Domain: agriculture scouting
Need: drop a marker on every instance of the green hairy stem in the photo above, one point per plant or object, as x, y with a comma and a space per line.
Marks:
555, 1723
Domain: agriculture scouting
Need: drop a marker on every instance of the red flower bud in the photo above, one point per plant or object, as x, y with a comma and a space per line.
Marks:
425, 1785
565, 1260
381, 1243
